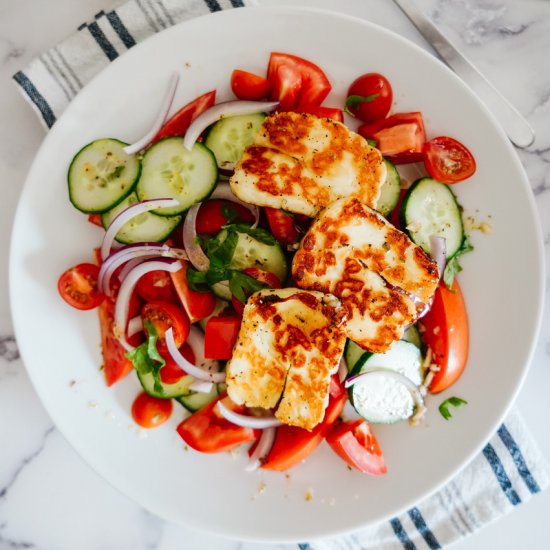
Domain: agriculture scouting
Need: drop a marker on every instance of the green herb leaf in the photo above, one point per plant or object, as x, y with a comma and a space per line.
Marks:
229, 213
372, 142
259, 233
196, 280
453, 266
354, 100
146, 358
240, 282
455, 402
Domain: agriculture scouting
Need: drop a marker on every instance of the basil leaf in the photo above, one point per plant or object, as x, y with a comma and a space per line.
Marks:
240, 282
453, 267
196, 280
372, 142
260, 234
146, 358
455, 402
229, 212
354, 100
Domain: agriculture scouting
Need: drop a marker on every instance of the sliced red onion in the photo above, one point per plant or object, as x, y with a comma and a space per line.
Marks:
438, 252
224, 191
246, 421
122, 306
201, 386
342, 369
197, 257
221, 110
135, 325
264, 445
188, 367
126, 215
407, 382
159, 120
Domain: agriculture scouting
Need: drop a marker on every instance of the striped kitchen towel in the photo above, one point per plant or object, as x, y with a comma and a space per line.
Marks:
509, 471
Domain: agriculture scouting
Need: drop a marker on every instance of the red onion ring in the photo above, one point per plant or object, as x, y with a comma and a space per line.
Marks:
342, 369
201, 386
135, 325
221, 110
159, 120
126, 215
438, 252
245, 421
197, 257
264, 445
122, 305
188, 367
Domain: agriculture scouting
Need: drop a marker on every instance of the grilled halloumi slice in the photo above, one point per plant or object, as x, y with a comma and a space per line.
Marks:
302, 163
289, 344
378, 273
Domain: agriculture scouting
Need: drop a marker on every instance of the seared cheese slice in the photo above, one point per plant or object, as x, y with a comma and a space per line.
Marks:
378, 273
290, 343
302, 163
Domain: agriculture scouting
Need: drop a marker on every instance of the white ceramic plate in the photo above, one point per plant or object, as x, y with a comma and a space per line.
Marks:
502, 283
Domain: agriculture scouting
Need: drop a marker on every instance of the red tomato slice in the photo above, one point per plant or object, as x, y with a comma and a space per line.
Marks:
446, 334
323, 112
400, 137
292, 444
179, 122
197, 304
95, 219
447, 160
156, 285
171, 372
220, 336
281, 225
115, 363
295, 81
211, 216
371, 84
78, 286
150, 412
271, 280
208, 431
249, 86
354, 442
164, 315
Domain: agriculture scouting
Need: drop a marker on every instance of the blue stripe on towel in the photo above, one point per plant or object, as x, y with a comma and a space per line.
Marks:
401, 534
213, 5
494, 461
120, 29
518, 459
102, 41
237, 3
423, 529
304, 546
36, 97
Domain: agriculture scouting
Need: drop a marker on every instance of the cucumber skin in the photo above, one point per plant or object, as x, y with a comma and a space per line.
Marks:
112, 205
391, 173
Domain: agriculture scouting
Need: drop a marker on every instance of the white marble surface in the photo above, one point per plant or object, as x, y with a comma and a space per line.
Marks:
49, 498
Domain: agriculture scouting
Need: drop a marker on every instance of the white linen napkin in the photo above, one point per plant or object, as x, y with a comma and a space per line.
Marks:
510, 469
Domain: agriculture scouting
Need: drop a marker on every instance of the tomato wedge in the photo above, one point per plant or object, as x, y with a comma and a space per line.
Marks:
292, 444
281, 225
95, 219
78, 286
295, 81
215, 213
164, 315
355, 443
249, 86
400, 137
197, 304
447, 160
220, 336
208, 431
179, 122
323, 112
150, 412
271, 280
446, 334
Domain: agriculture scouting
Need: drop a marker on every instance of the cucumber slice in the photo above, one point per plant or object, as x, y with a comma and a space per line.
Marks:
221, 291
353, 353
379, 398
412, 335
196, 400
229, 137
101, 174
430, 208
147, 227
389, 192
167, 391
171, 171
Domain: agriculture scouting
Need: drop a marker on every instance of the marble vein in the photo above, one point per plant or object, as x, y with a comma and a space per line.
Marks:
11, 543
8, 348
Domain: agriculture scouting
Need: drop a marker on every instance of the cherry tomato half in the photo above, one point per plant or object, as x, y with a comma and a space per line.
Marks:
281, 225
215, 213
271, 280
156, 285
78, 286
370, 97
164, 315
150, 412
249, 86
171, 373
447, 160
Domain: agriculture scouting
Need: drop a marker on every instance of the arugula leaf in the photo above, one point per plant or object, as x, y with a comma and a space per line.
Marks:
354, 100
146, 358
455, 402
239, 282
453, 266
259, 233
